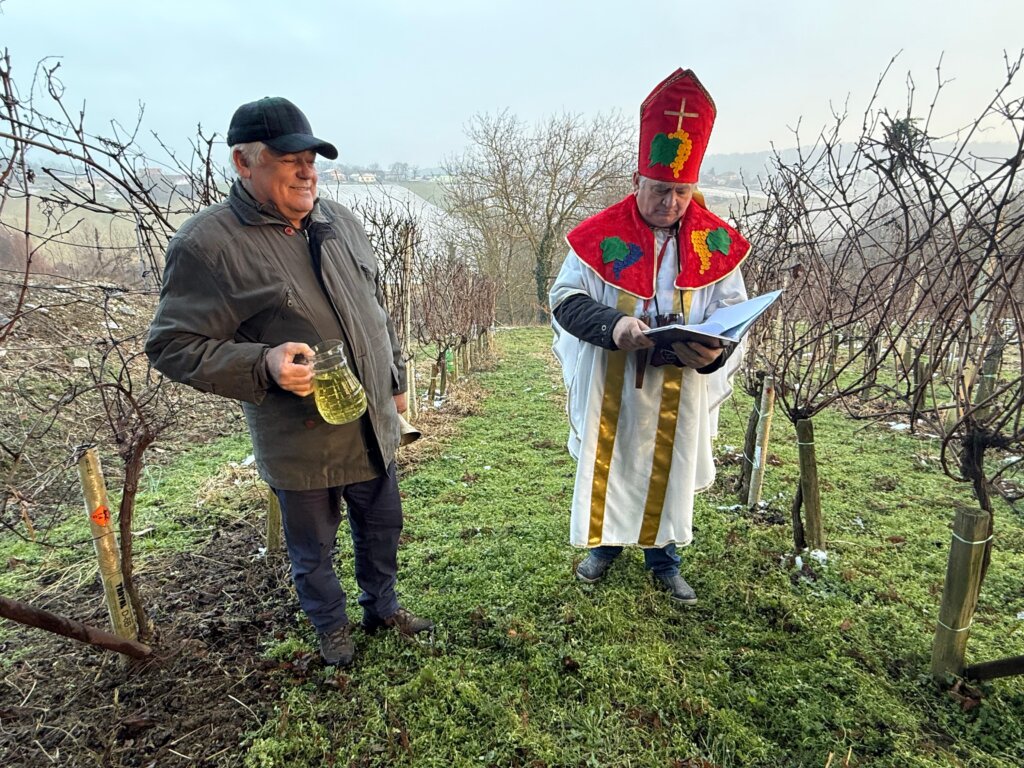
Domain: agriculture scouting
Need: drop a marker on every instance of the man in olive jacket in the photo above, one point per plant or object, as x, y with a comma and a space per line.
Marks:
250, 285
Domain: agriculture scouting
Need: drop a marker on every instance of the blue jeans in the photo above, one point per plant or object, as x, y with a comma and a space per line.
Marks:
661, 562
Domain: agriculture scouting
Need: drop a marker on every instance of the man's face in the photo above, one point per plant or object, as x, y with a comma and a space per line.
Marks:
287, 181
661, 203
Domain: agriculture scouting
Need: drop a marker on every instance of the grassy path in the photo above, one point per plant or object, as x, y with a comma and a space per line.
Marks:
530, 668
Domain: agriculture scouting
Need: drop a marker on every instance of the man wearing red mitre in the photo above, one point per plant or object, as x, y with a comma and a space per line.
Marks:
642, 418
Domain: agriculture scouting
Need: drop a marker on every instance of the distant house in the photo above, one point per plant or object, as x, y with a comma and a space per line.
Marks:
333, 174
364, 178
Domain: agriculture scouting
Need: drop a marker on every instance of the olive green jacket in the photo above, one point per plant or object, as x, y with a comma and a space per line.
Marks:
238, 280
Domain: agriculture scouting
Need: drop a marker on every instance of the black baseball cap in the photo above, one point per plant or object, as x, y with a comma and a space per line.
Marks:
279, 124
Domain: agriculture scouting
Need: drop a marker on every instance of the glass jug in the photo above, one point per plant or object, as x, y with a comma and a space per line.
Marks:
339, 396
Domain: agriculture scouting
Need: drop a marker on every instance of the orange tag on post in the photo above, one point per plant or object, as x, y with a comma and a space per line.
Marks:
100, 515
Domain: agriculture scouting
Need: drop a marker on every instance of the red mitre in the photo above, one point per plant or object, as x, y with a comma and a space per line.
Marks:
619, 246
675, 126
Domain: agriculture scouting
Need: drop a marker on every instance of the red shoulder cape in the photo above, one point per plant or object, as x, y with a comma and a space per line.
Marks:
619, 246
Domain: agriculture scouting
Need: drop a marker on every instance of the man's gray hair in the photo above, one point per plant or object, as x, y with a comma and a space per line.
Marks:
252, 152
647, 180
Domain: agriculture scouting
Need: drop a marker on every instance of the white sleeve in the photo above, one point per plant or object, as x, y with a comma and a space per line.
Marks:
726, 292
570, 281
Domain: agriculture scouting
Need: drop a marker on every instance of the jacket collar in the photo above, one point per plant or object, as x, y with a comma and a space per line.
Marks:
252, 213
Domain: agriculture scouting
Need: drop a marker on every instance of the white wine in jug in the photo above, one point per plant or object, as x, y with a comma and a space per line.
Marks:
339, 396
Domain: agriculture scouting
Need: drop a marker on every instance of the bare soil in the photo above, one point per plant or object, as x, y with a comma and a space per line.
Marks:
69, 704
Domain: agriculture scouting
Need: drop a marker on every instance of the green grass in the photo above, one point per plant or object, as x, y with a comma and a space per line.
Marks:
429, 190
167, 510
530, 668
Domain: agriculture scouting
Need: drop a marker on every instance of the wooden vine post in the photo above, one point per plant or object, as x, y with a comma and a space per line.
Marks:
814, 531
960, 592
749, 443
764, 426
442, 390
989, 377
432, 388
835, 340
274, 526
104, 539
407, 354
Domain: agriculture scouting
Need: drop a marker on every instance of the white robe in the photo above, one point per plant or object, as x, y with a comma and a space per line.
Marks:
642, 453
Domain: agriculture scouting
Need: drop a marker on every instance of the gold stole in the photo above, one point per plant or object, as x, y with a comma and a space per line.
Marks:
664, 439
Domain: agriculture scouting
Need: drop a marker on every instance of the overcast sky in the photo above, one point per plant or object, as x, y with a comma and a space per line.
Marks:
388, 81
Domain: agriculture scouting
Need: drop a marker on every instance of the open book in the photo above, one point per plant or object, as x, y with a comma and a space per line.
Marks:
725, 326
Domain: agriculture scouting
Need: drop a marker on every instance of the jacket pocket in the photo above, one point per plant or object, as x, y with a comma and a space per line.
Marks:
275, 321
286, 306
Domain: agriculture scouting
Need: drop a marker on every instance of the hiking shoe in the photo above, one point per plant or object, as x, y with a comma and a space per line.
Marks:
336, 647
592, 568
404, 621
676, 586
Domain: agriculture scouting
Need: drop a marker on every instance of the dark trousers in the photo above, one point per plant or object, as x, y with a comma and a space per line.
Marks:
311, 520
661, 562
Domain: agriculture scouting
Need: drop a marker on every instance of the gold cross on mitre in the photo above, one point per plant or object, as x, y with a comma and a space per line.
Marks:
681, 114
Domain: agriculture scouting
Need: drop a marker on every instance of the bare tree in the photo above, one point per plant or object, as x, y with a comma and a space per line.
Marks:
526, 187
398, 171
903, 258
91, 208
896, 254
396, 229
489, 240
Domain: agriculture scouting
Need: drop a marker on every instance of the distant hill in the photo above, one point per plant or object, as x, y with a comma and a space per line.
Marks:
750, 164
429, 190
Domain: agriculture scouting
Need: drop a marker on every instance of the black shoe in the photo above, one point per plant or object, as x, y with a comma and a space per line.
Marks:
405, 622
592, 569
678, 589
336, 647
